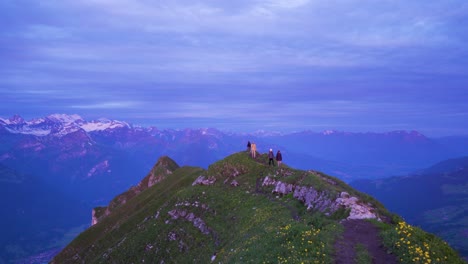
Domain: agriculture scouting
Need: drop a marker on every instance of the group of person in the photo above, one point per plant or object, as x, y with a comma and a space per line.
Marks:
252, 147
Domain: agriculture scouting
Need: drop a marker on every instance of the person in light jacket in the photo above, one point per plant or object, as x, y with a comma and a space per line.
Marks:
253, 149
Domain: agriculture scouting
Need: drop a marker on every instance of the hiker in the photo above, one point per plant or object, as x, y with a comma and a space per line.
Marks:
279, 158
248, 146
271, 156
253, 149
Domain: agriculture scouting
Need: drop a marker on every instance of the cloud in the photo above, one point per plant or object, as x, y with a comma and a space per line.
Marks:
108, 105
212, 37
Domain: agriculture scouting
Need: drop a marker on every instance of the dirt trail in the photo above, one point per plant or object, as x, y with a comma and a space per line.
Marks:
365, 233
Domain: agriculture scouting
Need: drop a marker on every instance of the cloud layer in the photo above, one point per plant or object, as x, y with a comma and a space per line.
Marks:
246, 65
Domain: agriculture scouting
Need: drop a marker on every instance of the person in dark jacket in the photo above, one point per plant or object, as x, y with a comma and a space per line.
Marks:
279, 158
248, 146
271, 156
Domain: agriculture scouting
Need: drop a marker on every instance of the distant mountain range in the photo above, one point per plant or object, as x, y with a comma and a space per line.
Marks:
435, 198
345, 154
92, 161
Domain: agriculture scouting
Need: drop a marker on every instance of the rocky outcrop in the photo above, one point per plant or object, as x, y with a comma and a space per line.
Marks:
189, 216
323, 201
98, 213
315, 200
94, 219
202, 180
358, 210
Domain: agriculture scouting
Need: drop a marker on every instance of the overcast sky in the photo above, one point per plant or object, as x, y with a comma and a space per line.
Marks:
352, 65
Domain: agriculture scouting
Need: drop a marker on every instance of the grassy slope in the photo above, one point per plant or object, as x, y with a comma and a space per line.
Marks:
246, 226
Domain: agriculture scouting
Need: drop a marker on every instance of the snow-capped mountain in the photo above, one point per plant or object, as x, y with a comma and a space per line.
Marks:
57, 125
71, 150
352, 155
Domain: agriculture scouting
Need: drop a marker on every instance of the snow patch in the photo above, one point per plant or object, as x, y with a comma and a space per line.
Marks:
100, 126
29, 131
65, 119
328, 132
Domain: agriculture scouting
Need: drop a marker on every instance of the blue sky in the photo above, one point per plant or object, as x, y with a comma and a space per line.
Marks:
240, 65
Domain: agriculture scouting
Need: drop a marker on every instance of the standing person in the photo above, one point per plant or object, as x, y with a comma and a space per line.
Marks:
248, 145
279, 158
253, 149
271, 156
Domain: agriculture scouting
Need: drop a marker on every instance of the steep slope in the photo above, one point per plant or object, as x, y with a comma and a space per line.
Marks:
241, 210
435, 198
163, 168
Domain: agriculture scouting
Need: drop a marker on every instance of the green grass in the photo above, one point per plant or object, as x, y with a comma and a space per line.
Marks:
362, 255
413, 245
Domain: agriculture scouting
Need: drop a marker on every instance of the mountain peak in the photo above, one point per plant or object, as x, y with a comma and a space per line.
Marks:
164, 167
16, 119
329, 132
65, 119
165, 162
58, 125
13, 120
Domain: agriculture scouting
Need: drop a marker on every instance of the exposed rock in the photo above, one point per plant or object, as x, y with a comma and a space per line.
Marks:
202, 180
94, 219
99, 213
200, 224
358, 210
190, 217
148, 247
322, 201
268, 181
280, 187
283, 188
314, 199
235, 172
193, 204
154, 178
172, 236
196, 221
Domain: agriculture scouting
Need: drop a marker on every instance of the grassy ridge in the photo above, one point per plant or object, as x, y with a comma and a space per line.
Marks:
243, 224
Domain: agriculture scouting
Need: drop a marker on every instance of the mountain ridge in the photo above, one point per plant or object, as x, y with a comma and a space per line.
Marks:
346, 154
162, 169
350, 154
43, 126
241, 209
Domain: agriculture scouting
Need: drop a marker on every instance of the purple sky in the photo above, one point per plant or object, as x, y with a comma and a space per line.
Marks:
240, 65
